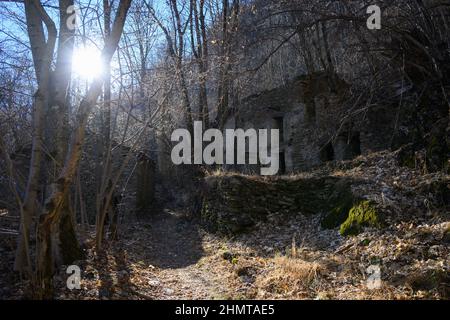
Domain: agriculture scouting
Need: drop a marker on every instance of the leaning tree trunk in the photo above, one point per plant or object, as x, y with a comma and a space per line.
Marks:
55, 203
229, 28
69, 248
42, 56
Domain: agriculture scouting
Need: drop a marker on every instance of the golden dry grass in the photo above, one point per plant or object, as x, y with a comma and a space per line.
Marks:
290, 276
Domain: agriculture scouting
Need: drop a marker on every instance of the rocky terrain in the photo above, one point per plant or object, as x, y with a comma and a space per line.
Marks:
283, 255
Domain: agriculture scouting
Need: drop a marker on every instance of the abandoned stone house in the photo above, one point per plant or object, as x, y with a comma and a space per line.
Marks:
308, 112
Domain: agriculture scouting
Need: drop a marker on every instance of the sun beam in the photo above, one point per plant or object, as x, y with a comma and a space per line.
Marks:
87, 62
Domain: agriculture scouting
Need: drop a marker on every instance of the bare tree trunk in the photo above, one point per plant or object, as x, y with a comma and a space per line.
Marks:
69, 248
104, 166
201, 55
107, 77
179, 65
229, 27
60, 188
176, 52
12, 185
42, 56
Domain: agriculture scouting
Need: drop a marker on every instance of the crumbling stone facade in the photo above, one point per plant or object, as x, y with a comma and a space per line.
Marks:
309, 113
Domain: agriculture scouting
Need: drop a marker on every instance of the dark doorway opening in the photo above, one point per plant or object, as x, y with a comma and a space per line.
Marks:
327, 153
355, 144
282, 160
279, 123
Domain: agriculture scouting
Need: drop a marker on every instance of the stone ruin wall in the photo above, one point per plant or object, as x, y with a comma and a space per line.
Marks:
308, 113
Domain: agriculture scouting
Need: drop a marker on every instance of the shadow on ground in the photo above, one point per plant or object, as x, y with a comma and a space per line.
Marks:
118, 286
173, 241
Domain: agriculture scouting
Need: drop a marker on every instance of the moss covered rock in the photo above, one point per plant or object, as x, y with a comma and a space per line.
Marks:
364, 214
340, 202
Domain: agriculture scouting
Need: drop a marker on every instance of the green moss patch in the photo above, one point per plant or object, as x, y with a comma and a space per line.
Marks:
364, 214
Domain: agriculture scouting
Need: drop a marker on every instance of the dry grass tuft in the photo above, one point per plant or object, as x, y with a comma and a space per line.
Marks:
290, 277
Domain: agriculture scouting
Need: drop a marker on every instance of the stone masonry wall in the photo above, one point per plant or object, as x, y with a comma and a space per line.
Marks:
235, 203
